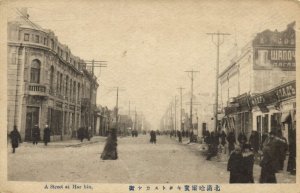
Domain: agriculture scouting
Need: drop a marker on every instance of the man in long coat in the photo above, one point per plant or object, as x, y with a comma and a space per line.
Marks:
15, 138
35, 134
47, 133
110, 150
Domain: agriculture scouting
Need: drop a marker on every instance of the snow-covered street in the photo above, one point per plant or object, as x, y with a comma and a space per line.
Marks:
139, 162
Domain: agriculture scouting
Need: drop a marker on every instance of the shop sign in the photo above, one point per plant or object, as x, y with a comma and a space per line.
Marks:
283, 58
255, 100
286, 91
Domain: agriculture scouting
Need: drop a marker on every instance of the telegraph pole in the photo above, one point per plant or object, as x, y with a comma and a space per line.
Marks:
175, 117
180, 88
217, 44
192, 87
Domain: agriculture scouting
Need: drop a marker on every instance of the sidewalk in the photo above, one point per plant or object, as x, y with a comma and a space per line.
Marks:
221, 160
69, 143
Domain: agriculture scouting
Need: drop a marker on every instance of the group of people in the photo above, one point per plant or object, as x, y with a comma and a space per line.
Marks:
15, 136
84, 132
242, 152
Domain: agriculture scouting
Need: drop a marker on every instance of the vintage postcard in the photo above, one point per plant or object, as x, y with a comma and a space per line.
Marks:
149, 96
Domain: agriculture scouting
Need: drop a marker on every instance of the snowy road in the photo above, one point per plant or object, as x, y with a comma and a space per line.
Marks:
139, 162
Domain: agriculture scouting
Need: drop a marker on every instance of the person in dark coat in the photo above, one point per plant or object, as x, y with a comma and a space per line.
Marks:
254, 141
242, 139
110, 149
291, 167
282, 145
35, 135
47, 133
268, 169
223, 138
80, 133
234, 165
15, 138
231, 141
213, 146
153, 137
179, 137
247, 164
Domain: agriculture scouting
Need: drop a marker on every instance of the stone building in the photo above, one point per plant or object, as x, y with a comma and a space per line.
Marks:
47, 84
266, 63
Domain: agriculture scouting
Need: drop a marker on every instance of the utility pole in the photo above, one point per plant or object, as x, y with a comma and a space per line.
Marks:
129, 108
175, 117
217, 44
192, 87
180, 88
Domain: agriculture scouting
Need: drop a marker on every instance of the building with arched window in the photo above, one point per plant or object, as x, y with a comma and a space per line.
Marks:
45, 83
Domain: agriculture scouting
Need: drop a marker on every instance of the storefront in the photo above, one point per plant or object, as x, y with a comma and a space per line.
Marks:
275, 110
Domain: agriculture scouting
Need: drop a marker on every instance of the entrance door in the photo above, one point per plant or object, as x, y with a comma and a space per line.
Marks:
32, 118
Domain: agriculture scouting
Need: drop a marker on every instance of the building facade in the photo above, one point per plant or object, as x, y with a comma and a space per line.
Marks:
47, 84
266, 63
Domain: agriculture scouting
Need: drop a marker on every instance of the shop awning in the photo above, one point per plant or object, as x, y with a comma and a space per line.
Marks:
285, 116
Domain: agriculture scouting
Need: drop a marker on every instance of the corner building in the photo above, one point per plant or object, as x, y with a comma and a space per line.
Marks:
46, 83
250, 85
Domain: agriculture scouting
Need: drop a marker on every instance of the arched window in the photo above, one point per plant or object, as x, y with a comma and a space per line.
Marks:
51, 79
35, 71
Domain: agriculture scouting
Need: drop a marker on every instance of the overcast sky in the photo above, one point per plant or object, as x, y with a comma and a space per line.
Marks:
149, 44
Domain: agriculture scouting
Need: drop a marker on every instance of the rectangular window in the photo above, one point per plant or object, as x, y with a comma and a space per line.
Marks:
52, 44
45, 41
26, 37
37, 39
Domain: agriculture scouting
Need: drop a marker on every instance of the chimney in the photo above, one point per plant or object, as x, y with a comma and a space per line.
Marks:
24, 13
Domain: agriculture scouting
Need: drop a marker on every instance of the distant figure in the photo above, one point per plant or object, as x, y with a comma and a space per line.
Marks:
15, 138
179, 136
247, 164
80, 133
223, 138
153, 137
231, 141
110, 150
234, 165
35, 135
47, 133
268, 169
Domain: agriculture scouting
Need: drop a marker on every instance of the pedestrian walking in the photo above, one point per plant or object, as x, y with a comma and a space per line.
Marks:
231, 141
80, 133
291, 167
15, 138
110, 149
179, 137
247, 164
223, 138
234, 165
254, 141
213, 147
47, 133
153, 137
35, 135
242, 139
283, 147
268, 169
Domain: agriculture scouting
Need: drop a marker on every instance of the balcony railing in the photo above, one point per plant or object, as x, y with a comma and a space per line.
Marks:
37, 89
